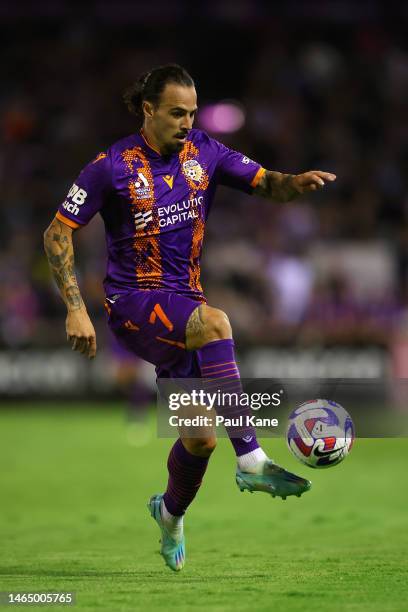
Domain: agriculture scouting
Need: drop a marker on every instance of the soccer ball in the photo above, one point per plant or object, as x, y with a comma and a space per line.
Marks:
320, 433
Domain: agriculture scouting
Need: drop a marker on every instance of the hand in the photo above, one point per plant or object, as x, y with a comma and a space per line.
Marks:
312, 180
81, 332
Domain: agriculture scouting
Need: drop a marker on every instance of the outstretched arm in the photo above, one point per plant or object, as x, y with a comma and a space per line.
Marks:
60, 253
285, 187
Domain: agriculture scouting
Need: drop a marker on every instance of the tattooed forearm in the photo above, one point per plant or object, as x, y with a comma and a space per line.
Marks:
277, 186
60, 253
74, 298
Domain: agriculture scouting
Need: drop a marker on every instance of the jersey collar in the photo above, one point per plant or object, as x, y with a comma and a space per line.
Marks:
151, 150
148, 145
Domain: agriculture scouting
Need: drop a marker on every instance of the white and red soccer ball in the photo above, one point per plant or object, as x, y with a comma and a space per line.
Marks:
320, 433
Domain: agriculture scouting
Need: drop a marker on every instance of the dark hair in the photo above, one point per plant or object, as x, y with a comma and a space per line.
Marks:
150, 85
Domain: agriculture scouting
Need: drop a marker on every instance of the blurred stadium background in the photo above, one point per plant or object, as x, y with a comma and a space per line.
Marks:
315, 289
318, 287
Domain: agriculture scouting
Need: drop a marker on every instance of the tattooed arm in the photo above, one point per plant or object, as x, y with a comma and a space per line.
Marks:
285, 187
60, 253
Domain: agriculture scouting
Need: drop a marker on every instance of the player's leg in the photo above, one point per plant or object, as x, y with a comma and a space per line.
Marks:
152, 324
209, 333
187, 464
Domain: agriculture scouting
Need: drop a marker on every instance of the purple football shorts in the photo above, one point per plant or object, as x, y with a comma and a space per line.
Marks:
152, 325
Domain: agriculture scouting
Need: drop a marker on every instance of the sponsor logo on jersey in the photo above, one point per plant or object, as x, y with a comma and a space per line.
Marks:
75, 198
143, 218
171, 214
193, 170
70, 207
179, 212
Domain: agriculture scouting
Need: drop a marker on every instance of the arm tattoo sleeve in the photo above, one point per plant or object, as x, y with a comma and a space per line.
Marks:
60, 253
277, 186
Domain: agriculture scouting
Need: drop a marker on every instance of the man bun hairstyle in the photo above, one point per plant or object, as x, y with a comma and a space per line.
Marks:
150, 85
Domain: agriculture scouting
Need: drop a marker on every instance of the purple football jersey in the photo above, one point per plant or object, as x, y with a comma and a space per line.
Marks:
155, 208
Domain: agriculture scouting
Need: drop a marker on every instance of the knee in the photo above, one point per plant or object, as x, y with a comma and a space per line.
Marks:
206, 324
216, 325
202, 447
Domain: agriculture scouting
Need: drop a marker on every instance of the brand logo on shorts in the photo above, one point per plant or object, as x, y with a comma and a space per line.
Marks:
131, 326
193, 170
143, 218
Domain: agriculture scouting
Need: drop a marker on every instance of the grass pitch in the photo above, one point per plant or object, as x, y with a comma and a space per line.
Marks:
73, 517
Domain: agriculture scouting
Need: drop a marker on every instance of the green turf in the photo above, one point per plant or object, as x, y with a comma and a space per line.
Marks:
73, 517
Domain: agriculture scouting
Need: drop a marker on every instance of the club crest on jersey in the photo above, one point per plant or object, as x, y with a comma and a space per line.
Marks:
193, 170
142, 219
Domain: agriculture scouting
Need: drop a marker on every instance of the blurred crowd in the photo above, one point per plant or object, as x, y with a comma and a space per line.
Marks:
328, 269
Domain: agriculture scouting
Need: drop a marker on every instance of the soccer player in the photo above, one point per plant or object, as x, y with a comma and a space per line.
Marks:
154, 190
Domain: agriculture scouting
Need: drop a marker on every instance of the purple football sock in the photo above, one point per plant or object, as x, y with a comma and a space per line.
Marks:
220, 373
186, 473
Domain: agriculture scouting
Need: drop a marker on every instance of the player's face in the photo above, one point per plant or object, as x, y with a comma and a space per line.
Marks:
172, 119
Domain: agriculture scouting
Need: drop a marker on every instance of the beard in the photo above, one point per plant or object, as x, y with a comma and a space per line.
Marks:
172, 147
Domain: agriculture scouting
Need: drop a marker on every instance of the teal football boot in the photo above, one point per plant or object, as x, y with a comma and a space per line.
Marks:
173, 552
274, 480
